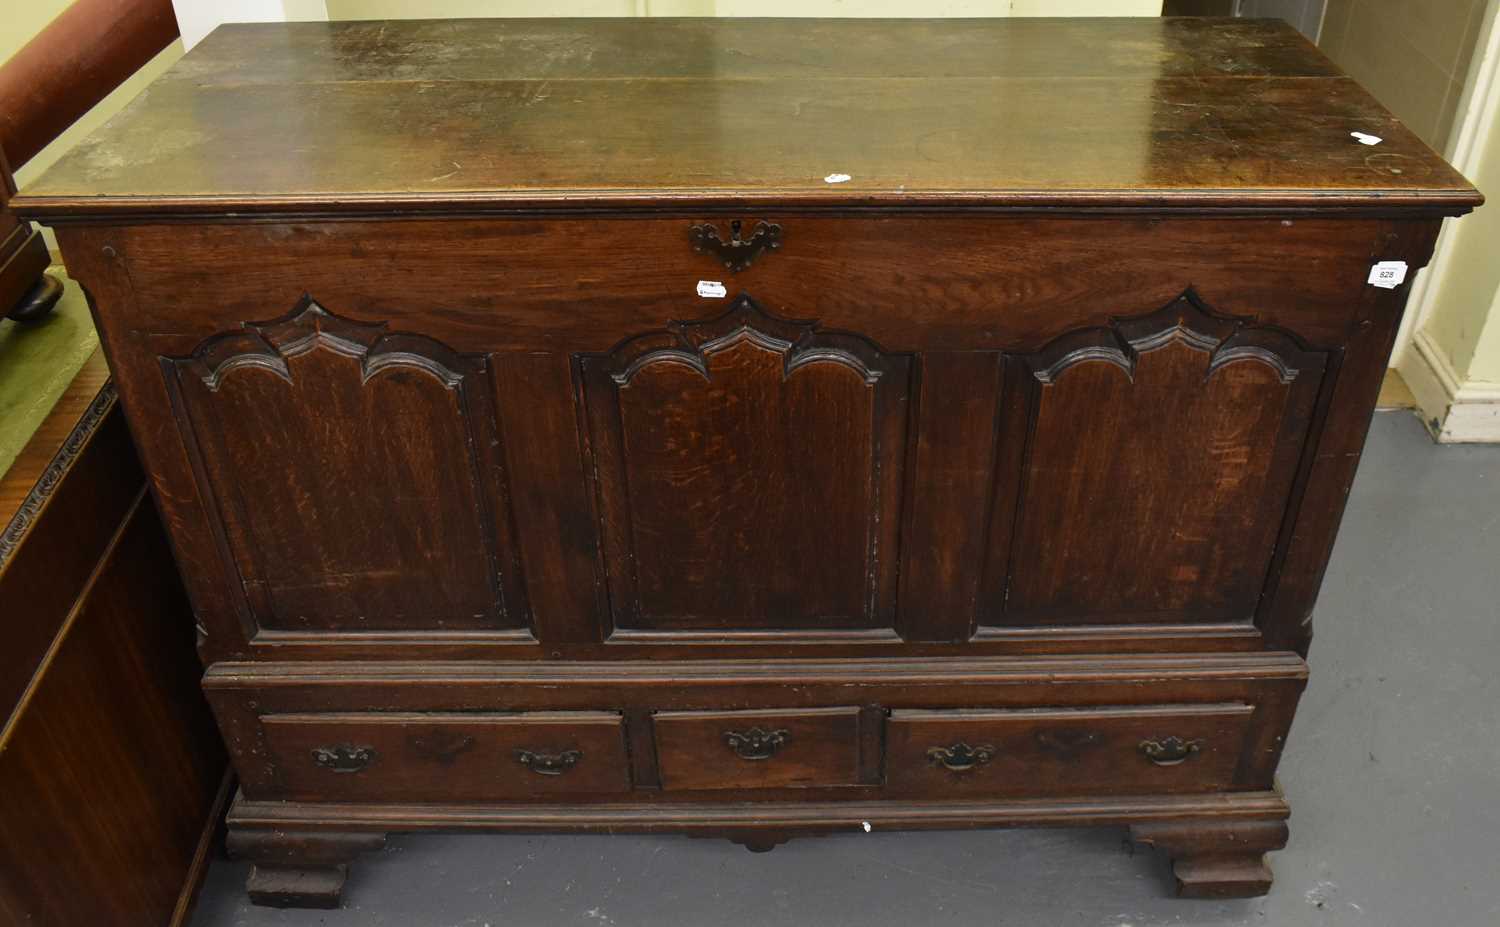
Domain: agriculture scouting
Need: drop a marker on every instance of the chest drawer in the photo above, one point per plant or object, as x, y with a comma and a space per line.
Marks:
758, 749
461, 756
1058, 751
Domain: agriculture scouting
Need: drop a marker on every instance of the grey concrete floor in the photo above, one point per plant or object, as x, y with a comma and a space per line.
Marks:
1393, 772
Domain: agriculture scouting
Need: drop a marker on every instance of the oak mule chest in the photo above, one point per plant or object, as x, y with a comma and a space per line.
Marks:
751, 428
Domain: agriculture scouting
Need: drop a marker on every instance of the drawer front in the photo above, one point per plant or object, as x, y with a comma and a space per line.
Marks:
1066, 751
454, 756
757, 749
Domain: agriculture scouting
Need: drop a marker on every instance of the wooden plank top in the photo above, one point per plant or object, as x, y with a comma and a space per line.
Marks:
476, 115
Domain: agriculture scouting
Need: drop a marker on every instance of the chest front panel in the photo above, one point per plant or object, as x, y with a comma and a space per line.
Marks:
943, 432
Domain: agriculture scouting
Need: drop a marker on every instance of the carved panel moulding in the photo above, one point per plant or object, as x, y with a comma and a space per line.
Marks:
268, 346
1187, 319
690, 343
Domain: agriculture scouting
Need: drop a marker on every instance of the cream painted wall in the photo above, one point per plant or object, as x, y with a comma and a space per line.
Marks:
1453, 361
1412, 54
1463, 308
24, 20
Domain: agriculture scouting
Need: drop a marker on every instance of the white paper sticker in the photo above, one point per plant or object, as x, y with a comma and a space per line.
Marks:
1366, 139
837, 178
1388, 274
713, 289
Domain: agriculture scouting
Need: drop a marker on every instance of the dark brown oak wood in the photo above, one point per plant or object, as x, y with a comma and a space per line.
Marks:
109, 763
1158, 748
1215, 858
547, 445
482, 115
757, 749
112, 777
480, 756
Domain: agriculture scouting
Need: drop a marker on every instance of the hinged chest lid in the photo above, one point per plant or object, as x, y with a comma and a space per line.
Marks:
480, 115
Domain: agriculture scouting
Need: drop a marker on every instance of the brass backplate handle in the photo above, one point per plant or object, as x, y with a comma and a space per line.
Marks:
549, 764
961, 757
1169, 751
343, 758
737, 253
756, 743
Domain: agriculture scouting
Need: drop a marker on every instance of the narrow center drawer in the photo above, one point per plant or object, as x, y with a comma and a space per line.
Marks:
458, 756
758, 749
1062, 751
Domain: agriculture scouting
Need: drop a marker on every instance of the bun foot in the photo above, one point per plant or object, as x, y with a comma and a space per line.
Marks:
38, 300
281, 887
1216, 859
298, 869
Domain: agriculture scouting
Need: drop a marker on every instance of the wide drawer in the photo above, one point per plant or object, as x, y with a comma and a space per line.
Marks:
457, 756
757, 749
1066, 751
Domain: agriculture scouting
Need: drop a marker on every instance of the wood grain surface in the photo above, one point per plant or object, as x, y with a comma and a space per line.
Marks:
374, 117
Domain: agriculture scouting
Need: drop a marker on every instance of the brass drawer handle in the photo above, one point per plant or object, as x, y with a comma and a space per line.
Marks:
344, 758
737, 253
549, 764
756, 744
1169, 751
961, 757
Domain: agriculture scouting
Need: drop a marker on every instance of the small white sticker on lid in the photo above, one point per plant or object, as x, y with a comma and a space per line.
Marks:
712, 289
837, 178
1367, 139
1388, 274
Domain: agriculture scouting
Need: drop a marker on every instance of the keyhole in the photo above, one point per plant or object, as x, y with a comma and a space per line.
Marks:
734, 229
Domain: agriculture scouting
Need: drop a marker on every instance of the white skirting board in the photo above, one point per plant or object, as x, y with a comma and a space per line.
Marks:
1454, 413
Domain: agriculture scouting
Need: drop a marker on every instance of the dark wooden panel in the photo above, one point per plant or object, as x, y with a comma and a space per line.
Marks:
757, 749
907, 282
749, 475
916, 284
1272, 682
1065, 751
949, 493
109, 771
556, 528
1159, 468
356, 472
584, 113
466, 757
61, 502
605, 49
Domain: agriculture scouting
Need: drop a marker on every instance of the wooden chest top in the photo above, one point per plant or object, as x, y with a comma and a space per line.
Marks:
476, 115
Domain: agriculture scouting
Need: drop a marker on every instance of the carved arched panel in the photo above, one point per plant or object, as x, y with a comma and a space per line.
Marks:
749, 473
355, 474
1160, 461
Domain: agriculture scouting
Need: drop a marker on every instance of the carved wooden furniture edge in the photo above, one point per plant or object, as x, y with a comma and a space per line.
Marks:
820, 816
1256, 665
31, 507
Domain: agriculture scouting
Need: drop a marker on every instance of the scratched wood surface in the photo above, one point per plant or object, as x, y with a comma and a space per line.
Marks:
376, 116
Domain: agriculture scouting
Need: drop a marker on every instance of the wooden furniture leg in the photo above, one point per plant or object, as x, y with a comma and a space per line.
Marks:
1216, 859
299, 869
